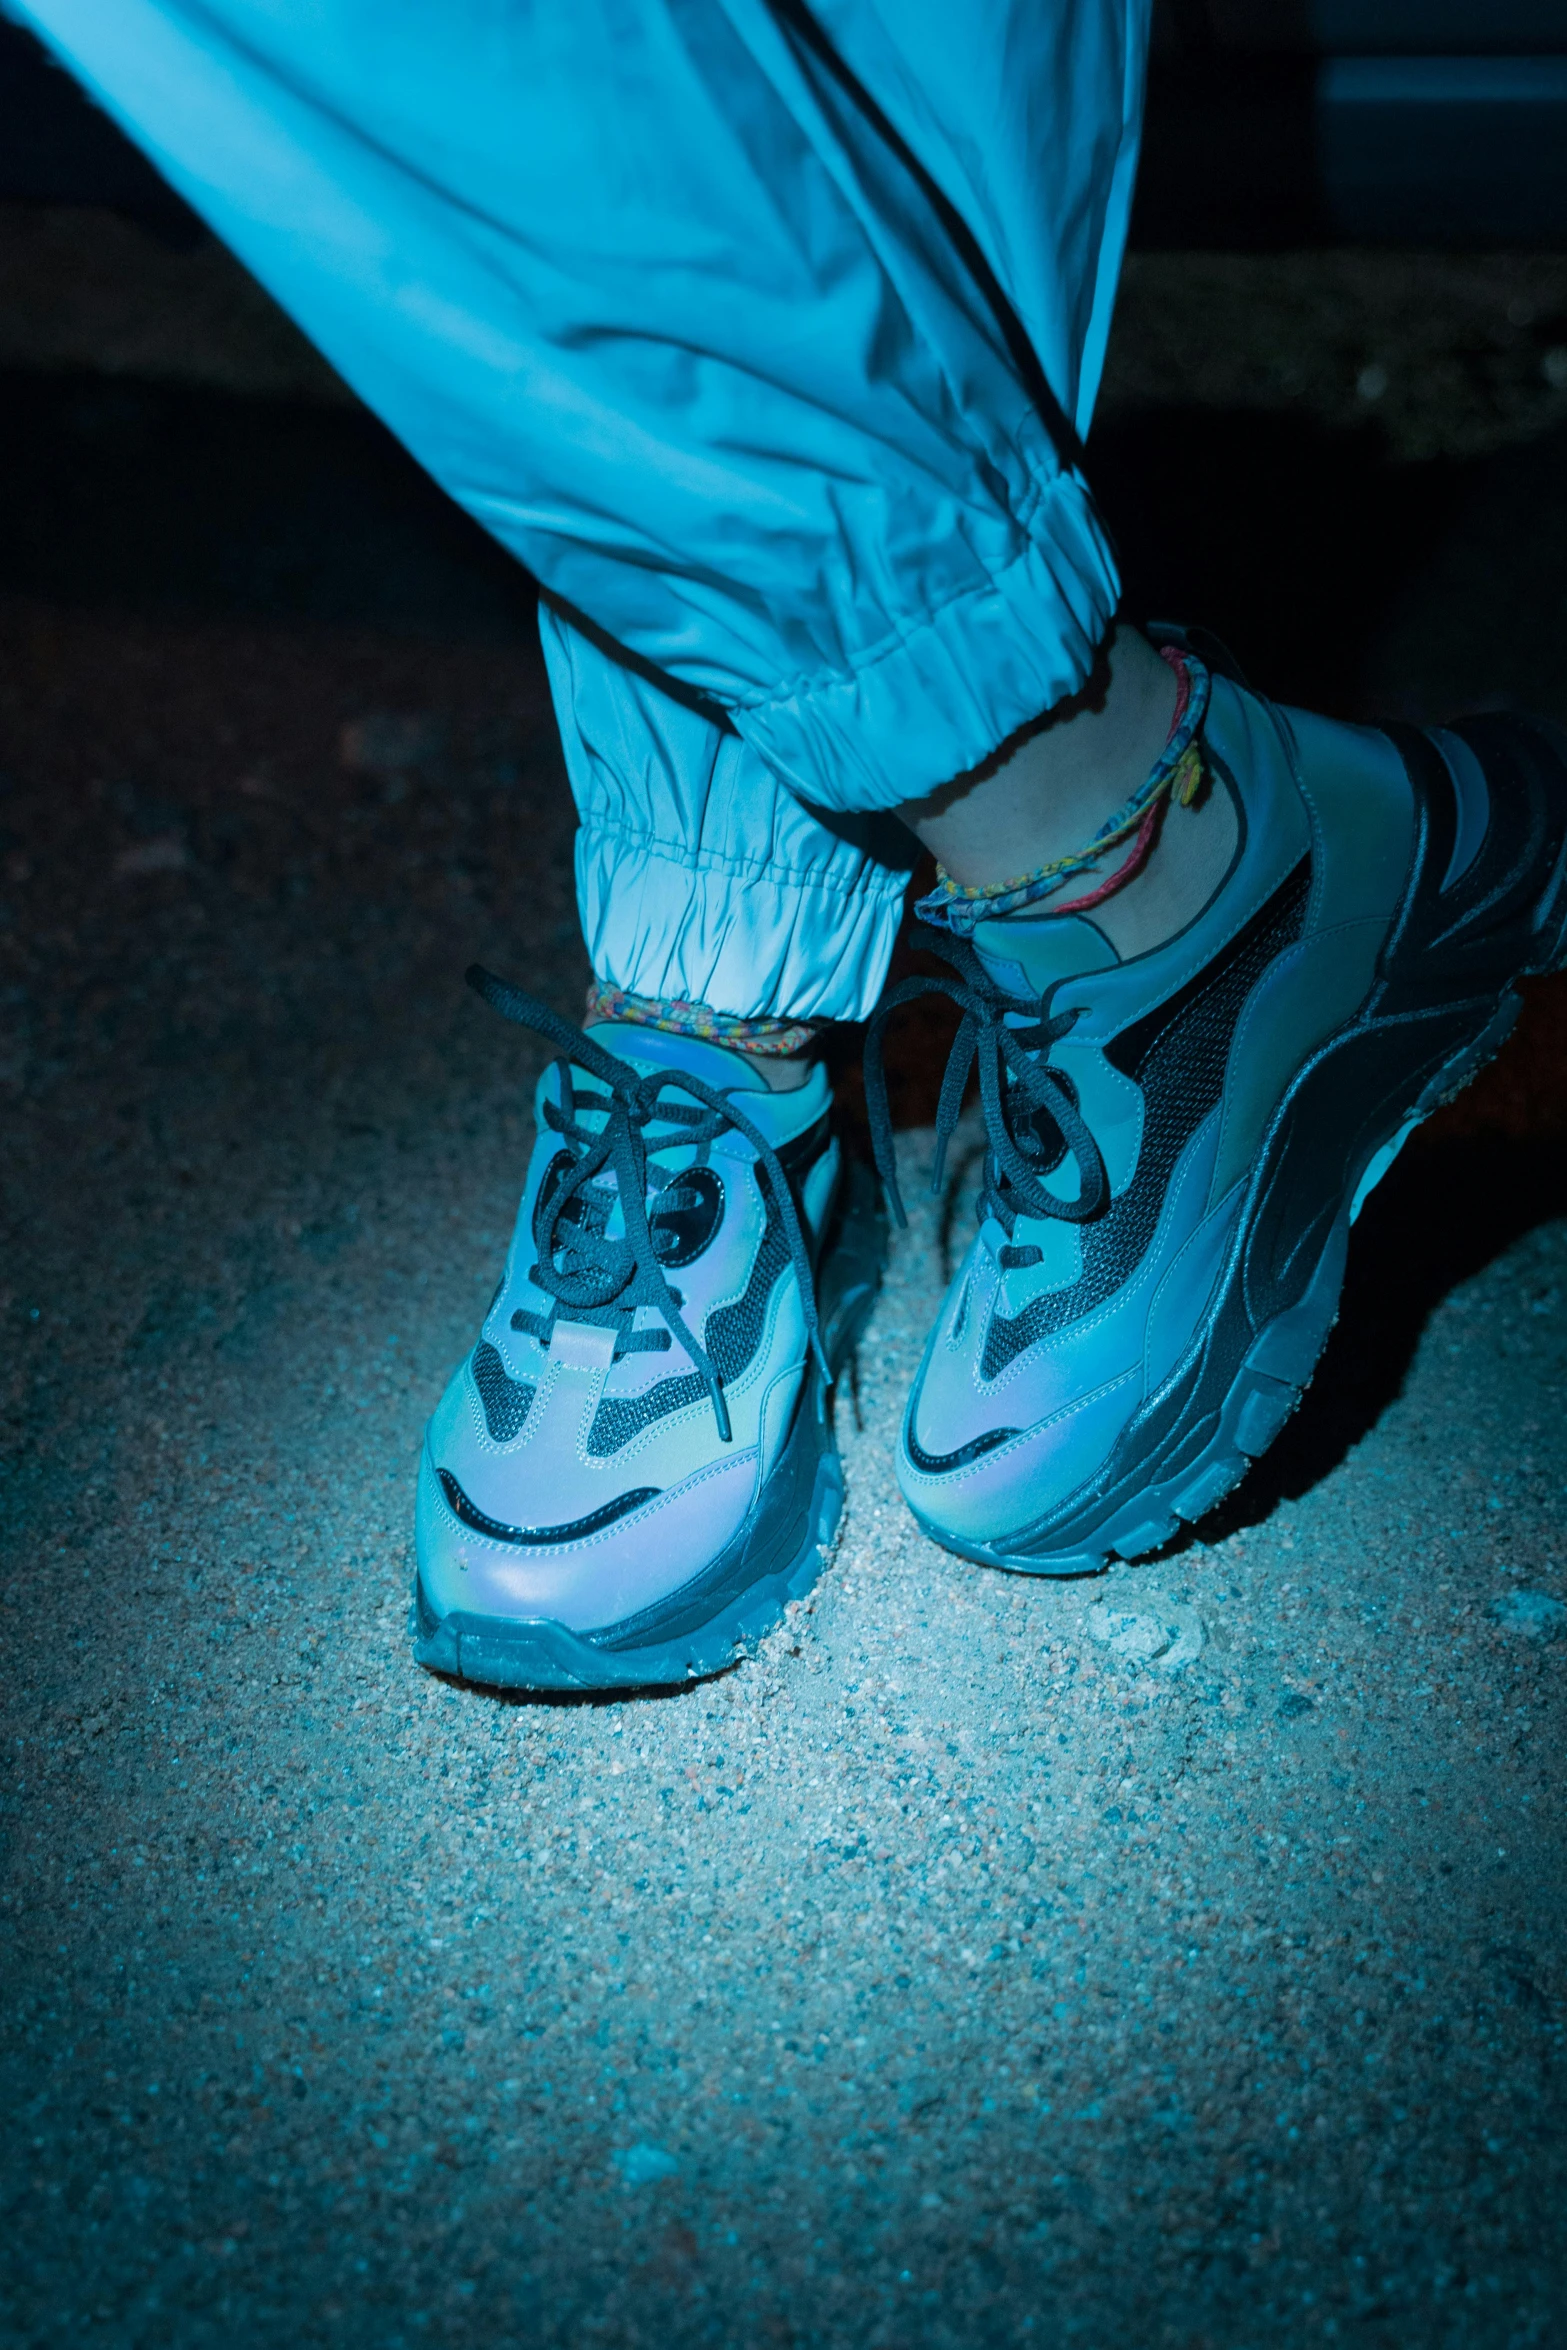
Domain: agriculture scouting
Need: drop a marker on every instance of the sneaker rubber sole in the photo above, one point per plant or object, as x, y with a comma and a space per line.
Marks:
776, 1557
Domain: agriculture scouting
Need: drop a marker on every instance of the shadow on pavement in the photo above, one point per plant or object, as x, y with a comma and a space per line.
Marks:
1449, 1208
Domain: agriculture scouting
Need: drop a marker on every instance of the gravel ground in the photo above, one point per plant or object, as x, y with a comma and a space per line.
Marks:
1172, 1959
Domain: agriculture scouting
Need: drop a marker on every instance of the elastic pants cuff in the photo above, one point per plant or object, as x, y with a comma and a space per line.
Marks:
952, 685
748, 943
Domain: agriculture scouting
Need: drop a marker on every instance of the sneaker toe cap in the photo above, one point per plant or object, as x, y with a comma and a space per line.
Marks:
996, 1493
614, 1567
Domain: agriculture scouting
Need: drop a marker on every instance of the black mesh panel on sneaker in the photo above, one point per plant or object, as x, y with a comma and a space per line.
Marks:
731, 1338
505, 1400
1177, 1055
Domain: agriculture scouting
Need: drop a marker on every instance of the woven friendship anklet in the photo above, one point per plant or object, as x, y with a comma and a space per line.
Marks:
776, 1039
1177, 775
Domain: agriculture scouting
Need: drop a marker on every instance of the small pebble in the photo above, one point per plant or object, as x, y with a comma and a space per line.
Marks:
640, 2165
1152, 1630
1534, 1613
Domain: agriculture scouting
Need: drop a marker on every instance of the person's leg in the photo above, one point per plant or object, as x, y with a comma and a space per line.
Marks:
798, 454
686, 318
1182, 1127
654, 295
1065, 783
1208, 1008
662, 301
1216, 959
699, 879
1047, 216
657, 296
977, 110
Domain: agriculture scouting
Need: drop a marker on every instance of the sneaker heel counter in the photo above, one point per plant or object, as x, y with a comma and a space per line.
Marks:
1363, 819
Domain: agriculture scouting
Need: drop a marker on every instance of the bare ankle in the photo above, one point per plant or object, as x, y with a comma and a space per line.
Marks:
1104, 810
785, 1074
1195, 850
1059, 781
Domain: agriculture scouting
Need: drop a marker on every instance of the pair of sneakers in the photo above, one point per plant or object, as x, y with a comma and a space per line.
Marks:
634, 1470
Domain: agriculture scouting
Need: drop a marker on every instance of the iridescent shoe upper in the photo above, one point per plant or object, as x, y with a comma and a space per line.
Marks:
637, 1371
1124, 1107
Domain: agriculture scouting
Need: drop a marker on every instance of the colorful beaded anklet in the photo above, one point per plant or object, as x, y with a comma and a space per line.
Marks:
1177, 774
777, 1039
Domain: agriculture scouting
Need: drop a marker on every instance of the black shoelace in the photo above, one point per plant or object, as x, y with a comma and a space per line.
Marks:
604, 1281
1031, 1115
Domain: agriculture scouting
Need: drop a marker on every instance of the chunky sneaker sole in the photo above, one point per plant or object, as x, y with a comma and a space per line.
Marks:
654, 1463
1482, 905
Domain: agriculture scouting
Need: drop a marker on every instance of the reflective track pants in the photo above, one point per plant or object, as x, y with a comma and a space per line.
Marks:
764, 337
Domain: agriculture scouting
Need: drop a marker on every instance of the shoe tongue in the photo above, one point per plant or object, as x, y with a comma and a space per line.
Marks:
655, 1048
1026, 954
780, 1116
